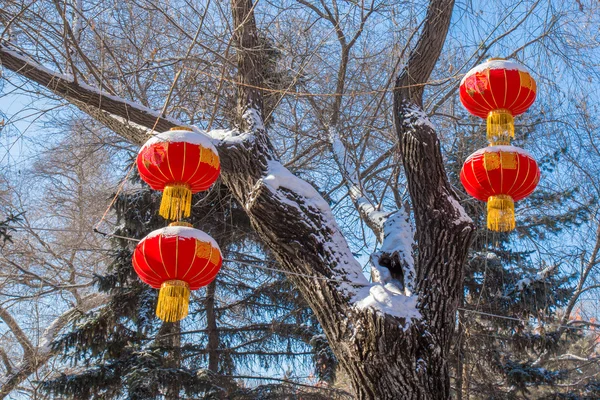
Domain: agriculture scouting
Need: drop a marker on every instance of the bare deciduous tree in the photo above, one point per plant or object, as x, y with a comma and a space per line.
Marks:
392, 336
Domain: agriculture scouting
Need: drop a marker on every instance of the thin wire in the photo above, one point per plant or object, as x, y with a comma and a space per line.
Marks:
522, 320
116, 236
286, 92
31, 228
119, 189
254, 265
297, 273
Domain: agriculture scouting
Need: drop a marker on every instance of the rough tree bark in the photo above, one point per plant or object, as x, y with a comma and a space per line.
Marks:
384, 357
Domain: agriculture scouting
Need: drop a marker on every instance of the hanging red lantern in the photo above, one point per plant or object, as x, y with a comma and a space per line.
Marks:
498, 90
178, 163
176, 259
500, 175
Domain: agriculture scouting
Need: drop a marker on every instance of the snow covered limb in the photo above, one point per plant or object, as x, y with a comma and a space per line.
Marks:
443, 230
36, 357
394, 261
369, 212
16, 330
248, 166
131, 120
539, 277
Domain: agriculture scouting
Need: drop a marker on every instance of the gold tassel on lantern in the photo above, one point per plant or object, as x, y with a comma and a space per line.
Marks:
173, 301
500, 127
176, 202
501, 213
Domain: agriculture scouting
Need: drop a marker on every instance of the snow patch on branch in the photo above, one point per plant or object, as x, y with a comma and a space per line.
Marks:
253, 119
230, 137
381, 298
387, 299
399, 238
347, 268
417, 116
462, 218
279, 176
77, 18
130, 103
234, 137
541, 276
28, 60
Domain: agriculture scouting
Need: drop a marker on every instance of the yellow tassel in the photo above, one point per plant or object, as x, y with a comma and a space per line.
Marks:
500, 127
501, 213
173, 301
176, 202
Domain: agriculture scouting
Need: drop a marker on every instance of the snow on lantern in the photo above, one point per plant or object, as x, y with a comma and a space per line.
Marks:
176, 259
500, 175
178, 163
498, 90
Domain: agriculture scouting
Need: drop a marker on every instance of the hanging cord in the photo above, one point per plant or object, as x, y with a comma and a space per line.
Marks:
161, 115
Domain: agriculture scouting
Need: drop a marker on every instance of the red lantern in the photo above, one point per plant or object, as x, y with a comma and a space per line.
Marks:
500, 175
176, 259
178, 163
498, 90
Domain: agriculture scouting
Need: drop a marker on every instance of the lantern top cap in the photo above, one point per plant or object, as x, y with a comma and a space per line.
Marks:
182, 135
181, 223
181, 128
496, 59
495, 63
503, 148
183, 232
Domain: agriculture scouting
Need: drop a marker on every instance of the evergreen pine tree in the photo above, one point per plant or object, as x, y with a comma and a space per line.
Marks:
502, 358
246, 323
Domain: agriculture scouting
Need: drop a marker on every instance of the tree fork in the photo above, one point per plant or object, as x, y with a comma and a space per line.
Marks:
381, 359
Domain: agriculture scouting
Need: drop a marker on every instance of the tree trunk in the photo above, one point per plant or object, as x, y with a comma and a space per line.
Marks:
211, 328
169, 336
460, 358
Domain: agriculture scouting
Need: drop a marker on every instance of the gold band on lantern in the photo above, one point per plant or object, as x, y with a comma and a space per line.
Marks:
181, 223
181, 128
173, 301
500, 127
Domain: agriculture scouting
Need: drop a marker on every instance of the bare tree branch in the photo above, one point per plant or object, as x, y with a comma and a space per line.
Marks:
44, 351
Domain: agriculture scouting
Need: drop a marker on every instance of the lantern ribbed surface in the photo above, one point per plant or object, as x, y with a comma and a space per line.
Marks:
498, 90
500, 175
497, 85
176, 259
178, 163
